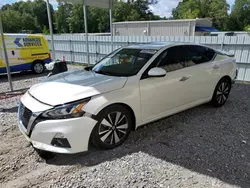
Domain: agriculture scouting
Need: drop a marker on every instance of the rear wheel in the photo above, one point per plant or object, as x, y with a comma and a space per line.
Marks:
113, 127
38, 67
221, 92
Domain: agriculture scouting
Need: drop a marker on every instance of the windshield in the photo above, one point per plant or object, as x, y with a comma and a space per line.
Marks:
125, 62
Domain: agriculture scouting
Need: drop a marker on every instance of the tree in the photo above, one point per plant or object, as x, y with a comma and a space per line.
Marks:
61, 17
240, 15
216, 10
187, 9
98, 19
32, 15
45, 30
247, 29
133, 10
12, 21
28, 22
39, 10
76, 20
232, 23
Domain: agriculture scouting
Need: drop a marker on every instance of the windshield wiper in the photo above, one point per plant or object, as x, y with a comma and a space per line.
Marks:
109, 73
102, 72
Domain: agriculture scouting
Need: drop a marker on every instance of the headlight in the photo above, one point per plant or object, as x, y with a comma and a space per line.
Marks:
66, 111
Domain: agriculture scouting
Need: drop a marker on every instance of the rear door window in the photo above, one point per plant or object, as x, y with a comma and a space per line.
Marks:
198, 54
172, 59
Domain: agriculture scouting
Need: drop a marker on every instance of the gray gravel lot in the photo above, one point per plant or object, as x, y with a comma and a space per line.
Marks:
201, 147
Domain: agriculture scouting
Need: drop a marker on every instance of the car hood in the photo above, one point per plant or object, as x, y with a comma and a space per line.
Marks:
75, 85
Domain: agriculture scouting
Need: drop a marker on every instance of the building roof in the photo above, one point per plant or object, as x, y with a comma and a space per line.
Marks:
162, 21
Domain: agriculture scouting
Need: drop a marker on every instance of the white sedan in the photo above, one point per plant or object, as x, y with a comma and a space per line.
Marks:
128, 88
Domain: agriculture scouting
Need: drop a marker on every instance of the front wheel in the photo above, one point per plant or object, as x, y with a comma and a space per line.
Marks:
113, 127
38, 67
221, 92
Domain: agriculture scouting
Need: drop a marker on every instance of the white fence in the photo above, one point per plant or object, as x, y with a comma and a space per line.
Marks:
73, 47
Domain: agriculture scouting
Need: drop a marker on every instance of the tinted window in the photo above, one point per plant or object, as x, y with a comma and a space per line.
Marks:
179, 57
198, 54
172, 59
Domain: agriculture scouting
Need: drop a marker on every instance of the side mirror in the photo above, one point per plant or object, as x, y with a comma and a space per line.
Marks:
157, 72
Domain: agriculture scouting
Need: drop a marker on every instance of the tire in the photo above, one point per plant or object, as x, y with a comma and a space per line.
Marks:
38, 67
45, 154
221, 92
113, 127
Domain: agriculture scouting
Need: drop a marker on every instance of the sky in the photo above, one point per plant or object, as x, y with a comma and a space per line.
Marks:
162, 8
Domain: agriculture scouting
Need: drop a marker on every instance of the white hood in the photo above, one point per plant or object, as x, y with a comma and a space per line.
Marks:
75, 85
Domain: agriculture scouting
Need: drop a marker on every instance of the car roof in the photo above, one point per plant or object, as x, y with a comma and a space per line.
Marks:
158, 45
150, 45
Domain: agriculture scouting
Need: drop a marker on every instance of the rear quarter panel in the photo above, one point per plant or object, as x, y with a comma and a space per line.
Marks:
228, 67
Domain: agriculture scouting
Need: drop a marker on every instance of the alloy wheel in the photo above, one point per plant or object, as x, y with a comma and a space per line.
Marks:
38, 68
113, 128
222, 92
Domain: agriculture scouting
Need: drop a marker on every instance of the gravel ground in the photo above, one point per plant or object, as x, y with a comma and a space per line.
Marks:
201, 147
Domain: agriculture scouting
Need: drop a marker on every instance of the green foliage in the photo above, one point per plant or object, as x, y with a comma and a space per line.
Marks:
76, 20
68, 18
240, 16
32, 15
45, 30
12, 21
29, 22
216, 10
61, 18
133, 10
247, 29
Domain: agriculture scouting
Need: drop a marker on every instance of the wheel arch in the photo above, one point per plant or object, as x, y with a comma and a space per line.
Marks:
118, 103
127, 107
132, 114
223, 77
227, 77
38, 60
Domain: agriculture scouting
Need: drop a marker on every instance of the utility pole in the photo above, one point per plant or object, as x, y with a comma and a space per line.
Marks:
5, 54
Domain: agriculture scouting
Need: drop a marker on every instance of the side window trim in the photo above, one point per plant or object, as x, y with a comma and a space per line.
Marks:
153, 64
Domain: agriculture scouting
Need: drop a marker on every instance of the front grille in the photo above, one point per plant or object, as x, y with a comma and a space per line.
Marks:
25, 115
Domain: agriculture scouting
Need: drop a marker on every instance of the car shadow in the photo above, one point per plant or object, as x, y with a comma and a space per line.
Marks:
9, 110
211, 141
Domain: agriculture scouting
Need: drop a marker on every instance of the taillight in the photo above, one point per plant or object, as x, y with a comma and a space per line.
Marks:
49, 55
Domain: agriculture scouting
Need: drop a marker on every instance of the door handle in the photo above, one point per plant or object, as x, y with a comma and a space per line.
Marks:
184, 78
216, 66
